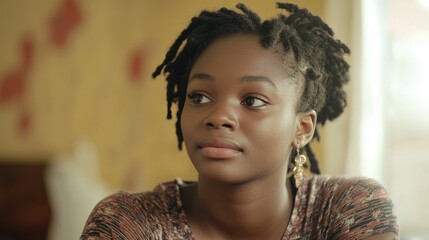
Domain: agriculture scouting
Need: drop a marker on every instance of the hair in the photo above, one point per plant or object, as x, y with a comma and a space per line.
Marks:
318, 57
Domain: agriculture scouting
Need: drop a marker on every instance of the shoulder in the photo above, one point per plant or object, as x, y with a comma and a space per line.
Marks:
123, 204
359, 207
355, 192
130, 214
353, 188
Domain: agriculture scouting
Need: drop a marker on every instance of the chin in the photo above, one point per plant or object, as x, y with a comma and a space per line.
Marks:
221, 172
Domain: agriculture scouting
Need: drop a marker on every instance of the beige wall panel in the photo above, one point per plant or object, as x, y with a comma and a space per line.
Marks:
84, 90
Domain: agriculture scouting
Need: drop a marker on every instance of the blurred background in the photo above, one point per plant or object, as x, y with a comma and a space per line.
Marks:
80, 116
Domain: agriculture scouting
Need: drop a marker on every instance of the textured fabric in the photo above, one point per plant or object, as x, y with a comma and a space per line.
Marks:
325, 208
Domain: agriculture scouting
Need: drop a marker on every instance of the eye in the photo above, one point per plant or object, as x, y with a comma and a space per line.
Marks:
254, 102
198, 98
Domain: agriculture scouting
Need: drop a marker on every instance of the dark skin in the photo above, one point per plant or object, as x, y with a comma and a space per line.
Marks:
241, 95
240, 124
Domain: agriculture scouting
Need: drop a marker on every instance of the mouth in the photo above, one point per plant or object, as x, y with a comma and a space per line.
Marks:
219, 148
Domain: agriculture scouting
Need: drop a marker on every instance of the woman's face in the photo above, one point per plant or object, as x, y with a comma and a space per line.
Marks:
239, 119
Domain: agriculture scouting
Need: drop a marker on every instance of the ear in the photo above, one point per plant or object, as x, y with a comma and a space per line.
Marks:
305, 127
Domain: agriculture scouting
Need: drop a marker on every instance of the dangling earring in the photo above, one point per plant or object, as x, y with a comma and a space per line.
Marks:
298, 170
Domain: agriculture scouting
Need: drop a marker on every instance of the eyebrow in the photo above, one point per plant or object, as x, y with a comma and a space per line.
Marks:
204, 76
258, 79
201, 76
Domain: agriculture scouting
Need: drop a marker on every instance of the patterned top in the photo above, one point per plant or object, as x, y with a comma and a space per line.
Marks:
325, 208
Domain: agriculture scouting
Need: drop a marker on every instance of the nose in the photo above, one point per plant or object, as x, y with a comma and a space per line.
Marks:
222, 117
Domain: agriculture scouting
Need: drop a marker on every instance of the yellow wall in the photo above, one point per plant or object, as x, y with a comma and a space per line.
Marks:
84, 91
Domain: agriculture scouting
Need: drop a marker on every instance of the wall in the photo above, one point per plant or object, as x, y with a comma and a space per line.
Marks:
73, 70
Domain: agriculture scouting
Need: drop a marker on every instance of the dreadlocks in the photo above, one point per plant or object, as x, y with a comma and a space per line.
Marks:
318, 56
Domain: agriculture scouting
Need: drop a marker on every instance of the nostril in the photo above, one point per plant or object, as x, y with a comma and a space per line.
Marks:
220, 122
213, 125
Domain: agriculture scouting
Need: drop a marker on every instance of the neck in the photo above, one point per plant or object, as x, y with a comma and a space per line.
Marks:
252, 210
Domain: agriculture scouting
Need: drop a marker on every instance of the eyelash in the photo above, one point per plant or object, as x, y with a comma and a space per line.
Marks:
197, 99
194, 95
264, 101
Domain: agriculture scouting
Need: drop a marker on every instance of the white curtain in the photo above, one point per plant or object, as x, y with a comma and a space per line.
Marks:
384, 134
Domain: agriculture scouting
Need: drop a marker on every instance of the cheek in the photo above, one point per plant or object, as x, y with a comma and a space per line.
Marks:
185, 121
189, 121
274, 136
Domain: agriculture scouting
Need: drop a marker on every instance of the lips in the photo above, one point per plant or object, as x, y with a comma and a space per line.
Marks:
219, 148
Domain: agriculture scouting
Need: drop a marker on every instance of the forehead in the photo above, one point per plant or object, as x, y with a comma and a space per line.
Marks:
239, 55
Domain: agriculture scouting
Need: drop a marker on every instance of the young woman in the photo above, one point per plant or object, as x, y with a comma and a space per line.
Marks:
250, 94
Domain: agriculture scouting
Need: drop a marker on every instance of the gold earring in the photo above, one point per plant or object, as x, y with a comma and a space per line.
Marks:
298, 170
